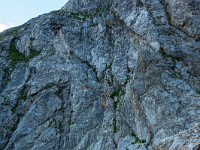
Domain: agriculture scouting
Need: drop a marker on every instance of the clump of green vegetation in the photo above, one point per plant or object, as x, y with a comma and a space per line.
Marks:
115, 15
94, 69
133, 134
165, 6
118, 92
79, 15
127, 79
71, 53
137, 140
198, 91
128, 69
83, 15
32, 39
19, 116
142, 141
165, 55
79, 18
33, 53
97, 76
15, 56
148, 7
98, 10
169, 18
168, 14
70, 120
115, 104
109, 66
59, 92
15, 106
155, 22
60, 126
114, 124
94, 24
123, 92
170, 33
59, 12
23, 96
115, 93
112, 78
108, 81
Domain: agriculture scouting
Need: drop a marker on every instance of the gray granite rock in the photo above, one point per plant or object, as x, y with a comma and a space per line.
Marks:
103, 75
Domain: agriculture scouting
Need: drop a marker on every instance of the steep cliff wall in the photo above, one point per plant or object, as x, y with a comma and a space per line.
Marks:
103, 75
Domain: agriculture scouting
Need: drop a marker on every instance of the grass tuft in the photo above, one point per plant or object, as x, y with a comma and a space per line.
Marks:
15, 56
115, 93
165, 55
198, 91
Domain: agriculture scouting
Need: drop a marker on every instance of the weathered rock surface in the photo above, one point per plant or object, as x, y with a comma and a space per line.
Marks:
103, 75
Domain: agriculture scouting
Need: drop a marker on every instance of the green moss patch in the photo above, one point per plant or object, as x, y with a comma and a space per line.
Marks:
115, 93
165, 55
33, 53
79, 15
23, 96
15, 56
198, 91
168, 14
94, 24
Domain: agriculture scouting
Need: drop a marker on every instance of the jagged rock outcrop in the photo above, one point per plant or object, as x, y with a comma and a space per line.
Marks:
103, 74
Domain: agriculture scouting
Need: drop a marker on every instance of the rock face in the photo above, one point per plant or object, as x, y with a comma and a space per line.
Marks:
103, 75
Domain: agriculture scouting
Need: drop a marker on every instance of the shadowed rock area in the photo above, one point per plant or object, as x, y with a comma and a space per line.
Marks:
103, 75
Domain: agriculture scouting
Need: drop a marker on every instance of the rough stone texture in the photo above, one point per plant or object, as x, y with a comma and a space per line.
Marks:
103, 74
183, 140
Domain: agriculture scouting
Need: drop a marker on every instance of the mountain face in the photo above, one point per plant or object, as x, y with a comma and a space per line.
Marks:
103, 75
